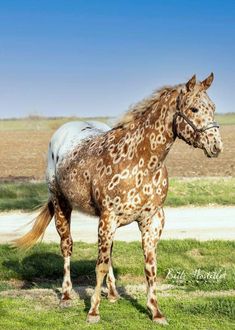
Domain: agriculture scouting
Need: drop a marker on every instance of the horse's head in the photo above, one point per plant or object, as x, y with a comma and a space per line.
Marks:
194, 117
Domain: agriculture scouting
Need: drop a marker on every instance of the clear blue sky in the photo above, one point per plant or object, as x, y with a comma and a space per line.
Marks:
71, 57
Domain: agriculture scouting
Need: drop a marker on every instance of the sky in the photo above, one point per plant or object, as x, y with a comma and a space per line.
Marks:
95, 58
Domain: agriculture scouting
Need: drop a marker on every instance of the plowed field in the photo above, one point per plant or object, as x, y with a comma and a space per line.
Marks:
23, 155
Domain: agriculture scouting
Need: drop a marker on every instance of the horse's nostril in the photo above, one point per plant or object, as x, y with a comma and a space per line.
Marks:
219, 146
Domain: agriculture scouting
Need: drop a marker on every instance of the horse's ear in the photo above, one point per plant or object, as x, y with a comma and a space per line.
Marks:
191, 83
208, 81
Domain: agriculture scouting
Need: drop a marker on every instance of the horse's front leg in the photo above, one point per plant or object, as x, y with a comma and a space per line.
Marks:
150, 234
107, 227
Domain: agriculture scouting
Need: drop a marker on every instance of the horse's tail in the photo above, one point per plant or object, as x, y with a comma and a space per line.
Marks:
40, 224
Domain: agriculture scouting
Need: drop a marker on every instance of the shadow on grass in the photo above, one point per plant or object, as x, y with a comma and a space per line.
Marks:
45, 270
134, 302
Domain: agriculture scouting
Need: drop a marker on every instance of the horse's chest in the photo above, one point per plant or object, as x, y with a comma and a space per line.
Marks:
134, 196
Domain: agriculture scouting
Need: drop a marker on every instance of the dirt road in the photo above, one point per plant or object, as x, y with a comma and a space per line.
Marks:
202, 223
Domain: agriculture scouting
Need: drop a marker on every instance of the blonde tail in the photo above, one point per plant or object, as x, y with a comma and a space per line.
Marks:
39, 227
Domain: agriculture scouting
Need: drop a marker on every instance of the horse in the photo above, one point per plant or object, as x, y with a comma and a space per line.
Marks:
119, 175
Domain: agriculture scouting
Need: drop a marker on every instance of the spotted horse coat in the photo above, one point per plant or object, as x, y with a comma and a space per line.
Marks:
119, 175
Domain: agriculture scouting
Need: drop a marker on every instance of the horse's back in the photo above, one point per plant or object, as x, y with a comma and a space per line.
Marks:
67, 137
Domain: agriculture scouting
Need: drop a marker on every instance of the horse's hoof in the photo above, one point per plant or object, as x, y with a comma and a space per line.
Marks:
93, 318
160, 320
65, 303
113, 299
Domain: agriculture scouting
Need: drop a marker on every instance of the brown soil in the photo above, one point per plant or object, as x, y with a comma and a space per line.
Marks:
23, 156
184, 160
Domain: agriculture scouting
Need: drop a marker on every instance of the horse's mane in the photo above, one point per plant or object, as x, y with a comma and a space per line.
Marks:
139, 108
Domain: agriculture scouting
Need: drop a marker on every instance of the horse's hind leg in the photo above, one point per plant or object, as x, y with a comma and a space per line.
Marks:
62, 221
110, 281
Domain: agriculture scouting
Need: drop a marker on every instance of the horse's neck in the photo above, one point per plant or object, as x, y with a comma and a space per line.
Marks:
160, 128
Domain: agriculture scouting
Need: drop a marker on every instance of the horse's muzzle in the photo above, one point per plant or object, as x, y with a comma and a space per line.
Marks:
215, 150
218, 147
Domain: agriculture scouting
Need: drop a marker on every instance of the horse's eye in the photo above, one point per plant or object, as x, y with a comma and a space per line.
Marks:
194, 110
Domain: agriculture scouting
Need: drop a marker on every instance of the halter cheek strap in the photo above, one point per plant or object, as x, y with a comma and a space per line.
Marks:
210, 125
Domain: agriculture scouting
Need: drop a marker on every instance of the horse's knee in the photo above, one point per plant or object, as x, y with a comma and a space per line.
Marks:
101, 268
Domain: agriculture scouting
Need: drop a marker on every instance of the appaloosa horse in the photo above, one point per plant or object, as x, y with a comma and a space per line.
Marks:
119, 175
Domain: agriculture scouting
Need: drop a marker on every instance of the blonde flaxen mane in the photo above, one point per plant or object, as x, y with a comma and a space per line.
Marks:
139, 108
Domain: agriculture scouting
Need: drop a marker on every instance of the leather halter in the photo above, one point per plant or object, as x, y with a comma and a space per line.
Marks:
210, 125
178, 113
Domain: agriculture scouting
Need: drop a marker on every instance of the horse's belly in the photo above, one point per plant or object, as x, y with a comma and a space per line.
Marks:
78, 193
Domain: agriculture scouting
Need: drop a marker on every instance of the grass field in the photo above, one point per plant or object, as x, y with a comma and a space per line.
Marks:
225, 119
41, 123
182, 192
182, 313
43, 265
200, 274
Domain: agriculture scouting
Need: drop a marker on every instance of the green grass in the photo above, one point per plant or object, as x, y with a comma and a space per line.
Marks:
182, 192
225, 119
44, 123
201, 192
184, 306
131, 314
205, 265
41, 123
25, 196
